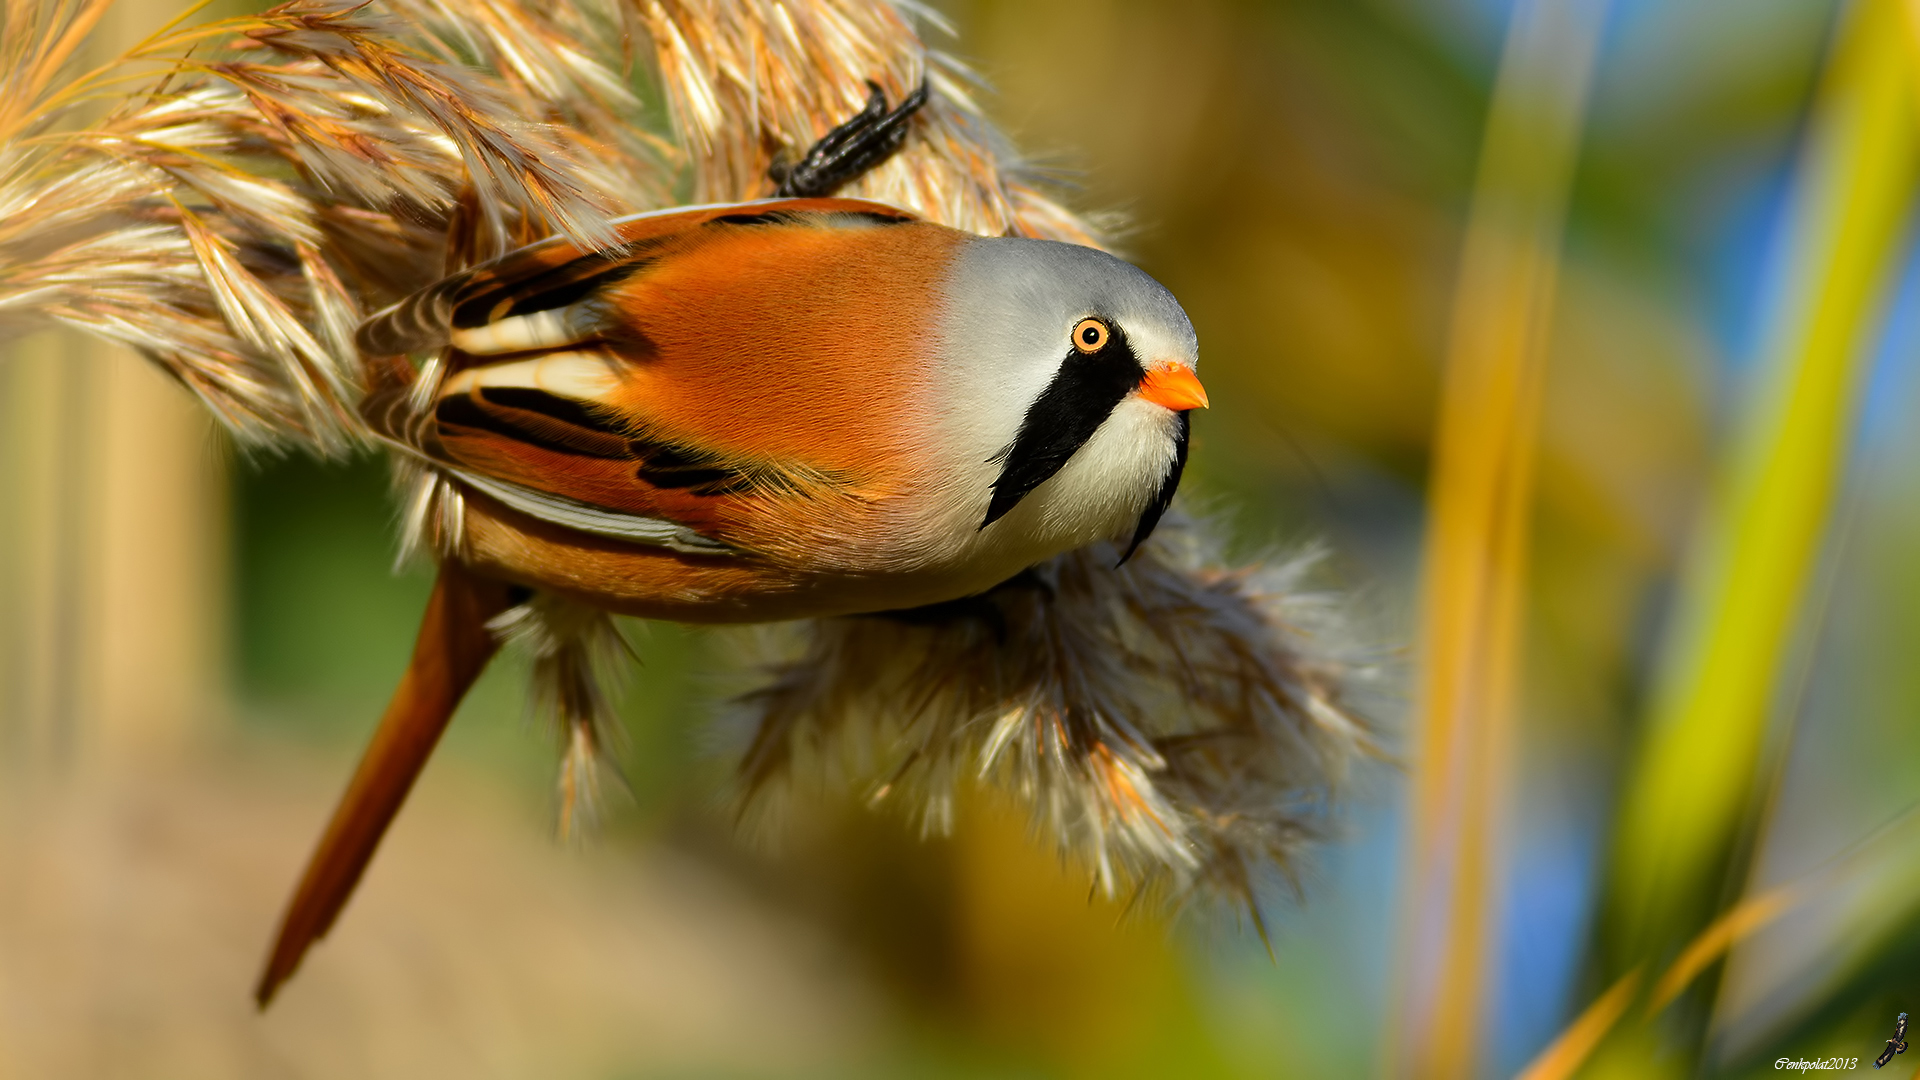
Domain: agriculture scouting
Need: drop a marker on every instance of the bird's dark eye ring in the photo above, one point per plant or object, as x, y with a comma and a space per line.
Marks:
1090, 335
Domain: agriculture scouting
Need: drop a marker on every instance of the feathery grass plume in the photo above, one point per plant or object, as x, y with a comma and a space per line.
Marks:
291, 170
1170, 722
749, 82
134, 228
279, 174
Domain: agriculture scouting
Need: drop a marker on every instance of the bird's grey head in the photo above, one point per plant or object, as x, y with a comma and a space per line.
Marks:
1074, 354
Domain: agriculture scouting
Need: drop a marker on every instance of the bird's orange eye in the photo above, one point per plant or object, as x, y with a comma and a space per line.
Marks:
1090, 335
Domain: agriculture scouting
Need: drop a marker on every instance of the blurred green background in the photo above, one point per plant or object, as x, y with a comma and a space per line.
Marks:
1301, 174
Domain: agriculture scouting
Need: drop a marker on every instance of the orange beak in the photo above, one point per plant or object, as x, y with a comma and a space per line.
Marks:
1174, 386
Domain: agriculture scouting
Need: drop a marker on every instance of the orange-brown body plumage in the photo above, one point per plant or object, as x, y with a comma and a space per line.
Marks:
759, 346
781, 398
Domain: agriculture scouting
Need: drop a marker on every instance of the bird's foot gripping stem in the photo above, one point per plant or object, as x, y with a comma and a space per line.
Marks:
851, 150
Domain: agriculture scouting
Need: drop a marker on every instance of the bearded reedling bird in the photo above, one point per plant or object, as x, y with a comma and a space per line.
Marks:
761, 411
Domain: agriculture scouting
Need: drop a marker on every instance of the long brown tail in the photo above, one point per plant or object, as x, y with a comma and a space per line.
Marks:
451, 651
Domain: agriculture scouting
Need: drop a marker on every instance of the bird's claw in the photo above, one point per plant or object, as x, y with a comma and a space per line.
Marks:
849, 151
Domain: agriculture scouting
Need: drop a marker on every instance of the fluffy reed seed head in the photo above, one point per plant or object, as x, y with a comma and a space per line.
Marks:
1171, 723
235, 217
750, 81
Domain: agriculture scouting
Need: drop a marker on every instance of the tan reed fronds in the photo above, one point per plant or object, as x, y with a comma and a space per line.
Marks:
751, 81
1171, 723
234, 217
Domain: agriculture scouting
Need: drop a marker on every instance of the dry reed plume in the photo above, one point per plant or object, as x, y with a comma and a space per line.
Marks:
287, 172
234, 218
1171, 721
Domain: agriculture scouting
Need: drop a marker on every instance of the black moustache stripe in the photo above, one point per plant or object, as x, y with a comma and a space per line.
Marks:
1083, 393
1164, 497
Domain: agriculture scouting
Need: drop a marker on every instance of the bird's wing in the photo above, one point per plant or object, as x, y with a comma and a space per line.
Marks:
555, 273
565, 366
